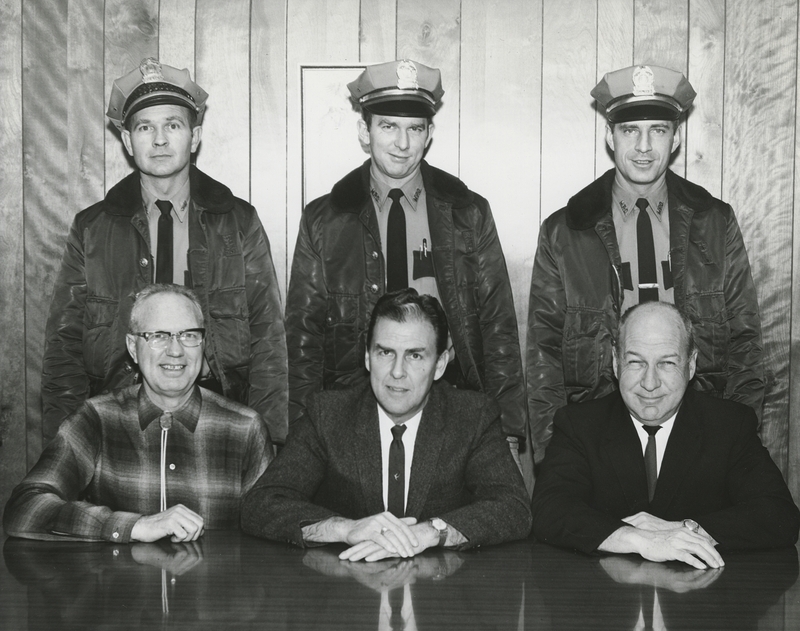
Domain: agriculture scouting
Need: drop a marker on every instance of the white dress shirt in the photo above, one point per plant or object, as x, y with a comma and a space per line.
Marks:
661, 436
409, 440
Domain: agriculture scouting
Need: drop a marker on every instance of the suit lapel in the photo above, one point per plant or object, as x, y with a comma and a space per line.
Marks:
625, 450
429, 441
367, 448
683, 449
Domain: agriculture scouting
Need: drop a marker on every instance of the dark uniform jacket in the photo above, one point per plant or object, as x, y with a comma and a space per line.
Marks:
462, 470
576, 296
338, 274
715, 470
107, 261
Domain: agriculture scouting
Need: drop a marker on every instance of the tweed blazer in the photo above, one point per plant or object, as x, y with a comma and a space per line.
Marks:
462, 470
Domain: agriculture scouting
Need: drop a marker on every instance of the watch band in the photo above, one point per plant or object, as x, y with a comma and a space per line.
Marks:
441, 527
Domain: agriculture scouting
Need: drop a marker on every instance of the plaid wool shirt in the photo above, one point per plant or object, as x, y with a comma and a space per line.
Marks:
102, 472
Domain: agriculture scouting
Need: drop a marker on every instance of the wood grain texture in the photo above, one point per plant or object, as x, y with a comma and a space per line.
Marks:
378, 31
661, 38
793, 448
268, 131
318, 33
176, 33
223, 70
614, 51
568, 116
13, 464
131, 34
758, 179
430, 33
703, 139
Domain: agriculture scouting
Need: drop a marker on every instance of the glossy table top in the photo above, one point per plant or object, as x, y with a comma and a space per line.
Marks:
232, 581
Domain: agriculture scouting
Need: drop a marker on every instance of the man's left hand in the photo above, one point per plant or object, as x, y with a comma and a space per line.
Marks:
427, 537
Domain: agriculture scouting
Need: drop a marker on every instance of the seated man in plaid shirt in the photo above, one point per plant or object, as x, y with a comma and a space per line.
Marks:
164, 458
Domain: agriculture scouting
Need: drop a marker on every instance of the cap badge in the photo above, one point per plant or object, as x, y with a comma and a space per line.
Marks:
643, 81
151, 70
407, 75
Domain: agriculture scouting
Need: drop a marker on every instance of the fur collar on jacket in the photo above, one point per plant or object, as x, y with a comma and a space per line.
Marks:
351, 192
586, 208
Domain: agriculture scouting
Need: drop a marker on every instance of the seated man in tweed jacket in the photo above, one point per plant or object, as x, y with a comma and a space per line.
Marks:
164, 458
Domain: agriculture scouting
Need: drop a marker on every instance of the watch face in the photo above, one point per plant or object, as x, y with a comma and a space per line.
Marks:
439, 524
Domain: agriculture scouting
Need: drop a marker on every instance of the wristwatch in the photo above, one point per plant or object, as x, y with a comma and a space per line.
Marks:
691, 524
441, 527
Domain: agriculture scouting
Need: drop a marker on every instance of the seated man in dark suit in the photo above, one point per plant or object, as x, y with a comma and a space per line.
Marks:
659, 469
397, 465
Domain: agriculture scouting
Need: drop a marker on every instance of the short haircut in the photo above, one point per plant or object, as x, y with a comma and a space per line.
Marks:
688, 327
191, 116
406, 304
162, 288
367, 116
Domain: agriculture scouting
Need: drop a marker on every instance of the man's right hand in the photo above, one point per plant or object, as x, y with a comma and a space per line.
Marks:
676, 544
178, 523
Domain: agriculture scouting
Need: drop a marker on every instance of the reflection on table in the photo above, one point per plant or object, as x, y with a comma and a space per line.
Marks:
231, 581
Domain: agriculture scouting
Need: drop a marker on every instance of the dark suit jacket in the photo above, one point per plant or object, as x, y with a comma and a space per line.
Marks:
714, 471
462, 470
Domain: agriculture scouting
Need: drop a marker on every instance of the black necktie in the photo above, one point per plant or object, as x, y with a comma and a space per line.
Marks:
164, 249
397, 473
648, 281
396, 597
396, 255
650, 463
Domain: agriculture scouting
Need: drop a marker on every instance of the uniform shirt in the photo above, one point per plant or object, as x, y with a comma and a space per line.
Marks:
180, 229
102, 471
409, 441
625, 213
418, 235
662, 438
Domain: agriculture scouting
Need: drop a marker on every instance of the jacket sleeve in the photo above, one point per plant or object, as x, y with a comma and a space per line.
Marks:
305, 311
65, 383
46, 504
504, 377
268, 369
546, 314
562, 514
762, 513
745, 382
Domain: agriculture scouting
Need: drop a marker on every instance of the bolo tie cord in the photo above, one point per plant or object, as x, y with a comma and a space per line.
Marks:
166, 424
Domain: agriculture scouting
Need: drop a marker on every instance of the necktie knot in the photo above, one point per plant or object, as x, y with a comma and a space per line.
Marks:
642, 204
651, 429
395, 194
397, 432
165, 206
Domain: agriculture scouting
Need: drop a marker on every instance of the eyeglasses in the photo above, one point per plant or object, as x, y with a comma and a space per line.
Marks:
159, 340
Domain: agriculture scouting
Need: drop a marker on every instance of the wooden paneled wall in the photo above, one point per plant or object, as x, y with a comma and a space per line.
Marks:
518, 125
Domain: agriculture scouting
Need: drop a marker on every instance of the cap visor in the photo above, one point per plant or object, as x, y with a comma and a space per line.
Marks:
643, 111
160, 98
393, 106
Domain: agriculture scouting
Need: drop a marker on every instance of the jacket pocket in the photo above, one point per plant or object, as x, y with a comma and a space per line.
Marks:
99, 317
230, 326
342, 347
712, 335
586, 349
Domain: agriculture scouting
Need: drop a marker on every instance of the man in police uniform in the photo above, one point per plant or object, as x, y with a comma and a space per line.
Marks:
398, 222
636, 234
167, 222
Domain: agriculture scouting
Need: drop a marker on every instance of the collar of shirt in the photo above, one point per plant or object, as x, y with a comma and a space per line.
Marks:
662, 437
411, 191
624, 199
180, 201
409, 440
188, 414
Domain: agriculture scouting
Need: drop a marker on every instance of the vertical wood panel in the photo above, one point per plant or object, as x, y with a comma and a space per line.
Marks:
318, 32
662, 39
176, 33
223, 70
568, 117
131, 34
703, 138
12, 280
430, 33
45, 181
794, 360
268, 132
760, 96
614, 51
378, 31
501, 75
